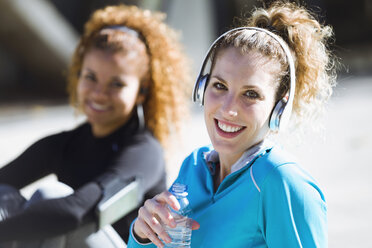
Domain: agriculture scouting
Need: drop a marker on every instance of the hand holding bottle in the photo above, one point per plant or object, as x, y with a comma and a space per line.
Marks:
154, 215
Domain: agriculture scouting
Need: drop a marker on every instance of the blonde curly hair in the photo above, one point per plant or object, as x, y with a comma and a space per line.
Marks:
307, 40
165, 103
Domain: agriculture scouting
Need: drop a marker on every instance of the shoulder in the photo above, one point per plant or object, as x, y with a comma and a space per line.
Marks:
268, 162
62, 137
291, 204
280, 171
146, 141
194, 164
198, 155
139, 151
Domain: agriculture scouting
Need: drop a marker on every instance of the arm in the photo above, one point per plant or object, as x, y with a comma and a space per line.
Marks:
34, 163
293, 209
51, 217
143, 160
57, 216
147, 230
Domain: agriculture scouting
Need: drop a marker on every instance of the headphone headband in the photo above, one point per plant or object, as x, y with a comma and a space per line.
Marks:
282, 110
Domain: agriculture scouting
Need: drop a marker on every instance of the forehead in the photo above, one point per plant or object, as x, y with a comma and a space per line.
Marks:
235, 64
251, 59
114, 41
118, 63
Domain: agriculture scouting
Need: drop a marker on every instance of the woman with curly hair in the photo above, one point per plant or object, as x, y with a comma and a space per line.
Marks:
128, 77
245, 191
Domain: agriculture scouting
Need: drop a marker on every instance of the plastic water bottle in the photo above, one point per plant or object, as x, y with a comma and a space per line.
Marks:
181, 234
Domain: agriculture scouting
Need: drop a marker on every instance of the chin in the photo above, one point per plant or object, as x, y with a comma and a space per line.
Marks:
225, 147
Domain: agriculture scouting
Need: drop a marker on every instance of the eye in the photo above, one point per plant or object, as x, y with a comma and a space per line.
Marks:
90, 76
252, 94
219, 86
117, 84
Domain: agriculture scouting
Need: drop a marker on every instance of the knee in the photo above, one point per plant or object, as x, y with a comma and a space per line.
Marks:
7, 189
11, 201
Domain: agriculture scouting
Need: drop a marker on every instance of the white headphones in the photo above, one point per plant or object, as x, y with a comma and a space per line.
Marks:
282, 110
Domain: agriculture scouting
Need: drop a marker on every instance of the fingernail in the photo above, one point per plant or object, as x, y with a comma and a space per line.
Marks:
168, 239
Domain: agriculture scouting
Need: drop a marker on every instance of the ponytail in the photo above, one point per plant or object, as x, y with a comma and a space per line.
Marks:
307, 38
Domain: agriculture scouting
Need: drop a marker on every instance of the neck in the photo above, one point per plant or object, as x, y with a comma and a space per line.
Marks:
99, 131
226, 161
236, 161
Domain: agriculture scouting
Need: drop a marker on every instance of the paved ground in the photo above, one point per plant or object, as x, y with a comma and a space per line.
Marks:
341, 161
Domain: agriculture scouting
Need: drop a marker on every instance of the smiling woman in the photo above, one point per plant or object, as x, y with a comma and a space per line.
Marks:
245, 190
114, 69
108, 89
238, 99
128, 77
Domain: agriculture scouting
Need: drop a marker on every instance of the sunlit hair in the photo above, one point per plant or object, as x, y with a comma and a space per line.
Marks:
168, 71
307, 39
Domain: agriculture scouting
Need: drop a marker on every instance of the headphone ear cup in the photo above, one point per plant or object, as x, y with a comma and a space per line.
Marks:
276, 115
199, 89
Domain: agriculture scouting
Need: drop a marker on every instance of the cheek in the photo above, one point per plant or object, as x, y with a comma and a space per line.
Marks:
256, 115
211, 106
80, 90
127, 98
208, 105
264, 112
211, 100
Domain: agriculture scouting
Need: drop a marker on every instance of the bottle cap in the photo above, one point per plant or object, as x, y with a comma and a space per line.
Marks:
179, 189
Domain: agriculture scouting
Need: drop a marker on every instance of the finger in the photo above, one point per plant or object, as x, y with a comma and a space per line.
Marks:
168, 198
147, 231
158, 207
195, 225
153, 222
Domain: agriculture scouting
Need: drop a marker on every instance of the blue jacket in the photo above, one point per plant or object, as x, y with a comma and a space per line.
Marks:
271, 202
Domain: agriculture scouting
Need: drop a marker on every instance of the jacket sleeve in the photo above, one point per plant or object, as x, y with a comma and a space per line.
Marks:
133, 243
142, 159
293, 209
34, 163
51, 217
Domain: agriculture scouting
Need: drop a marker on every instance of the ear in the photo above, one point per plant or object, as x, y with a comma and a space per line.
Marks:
142, 92
141, 97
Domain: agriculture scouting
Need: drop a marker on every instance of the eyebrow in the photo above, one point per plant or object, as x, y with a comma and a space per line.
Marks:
245, 86
219, 78
89, 70
118, 79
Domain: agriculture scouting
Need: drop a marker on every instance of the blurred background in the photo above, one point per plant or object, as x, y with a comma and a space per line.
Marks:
37, 38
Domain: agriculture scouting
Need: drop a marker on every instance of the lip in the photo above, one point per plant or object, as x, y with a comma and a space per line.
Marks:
96, 107
224, 134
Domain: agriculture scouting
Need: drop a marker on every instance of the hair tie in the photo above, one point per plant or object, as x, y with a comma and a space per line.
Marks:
127, 30
123, 29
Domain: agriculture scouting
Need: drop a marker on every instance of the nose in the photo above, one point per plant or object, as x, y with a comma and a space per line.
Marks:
230, 106
99, 91
233, 113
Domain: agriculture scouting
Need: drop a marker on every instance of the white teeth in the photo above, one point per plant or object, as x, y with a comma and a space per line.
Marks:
98, 107
228, 128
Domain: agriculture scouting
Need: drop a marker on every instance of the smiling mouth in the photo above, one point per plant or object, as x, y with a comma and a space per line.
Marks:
98, 107
227, 129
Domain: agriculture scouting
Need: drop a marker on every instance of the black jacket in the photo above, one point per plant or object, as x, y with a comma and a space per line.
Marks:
81, 161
